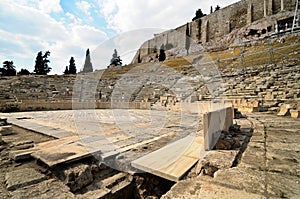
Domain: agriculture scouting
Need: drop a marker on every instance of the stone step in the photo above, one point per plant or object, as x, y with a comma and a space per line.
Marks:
116, 184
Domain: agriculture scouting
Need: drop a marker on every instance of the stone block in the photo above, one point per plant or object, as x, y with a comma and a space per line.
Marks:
295, 113
269, 96
78, 176
213, 123
241, 179
273, 109
6, 130
255, 103
24, 142
284, 110
20, 155
221, 159
248, 109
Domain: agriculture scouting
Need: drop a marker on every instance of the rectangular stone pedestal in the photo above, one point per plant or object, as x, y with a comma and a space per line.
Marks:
213, 123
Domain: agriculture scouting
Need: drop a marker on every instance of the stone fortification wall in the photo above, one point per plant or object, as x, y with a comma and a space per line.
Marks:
217, 24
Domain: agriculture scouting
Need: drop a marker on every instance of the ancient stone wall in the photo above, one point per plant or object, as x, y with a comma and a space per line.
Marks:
69, 105
217, 24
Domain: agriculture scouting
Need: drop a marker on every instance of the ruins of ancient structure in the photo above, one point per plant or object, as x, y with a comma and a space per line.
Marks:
240, 21
217, 123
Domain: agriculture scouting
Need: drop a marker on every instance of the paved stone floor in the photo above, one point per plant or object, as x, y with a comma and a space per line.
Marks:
269, 167
109, 131
100, 121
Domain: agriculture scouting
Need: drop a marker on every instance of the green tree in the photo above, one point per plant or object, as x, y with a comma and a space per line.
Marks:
41, 63
187, 38
88, 67
162, 54
115, 60
23, 72
66, 72
139, 60
8, 68
72, 66
199, 14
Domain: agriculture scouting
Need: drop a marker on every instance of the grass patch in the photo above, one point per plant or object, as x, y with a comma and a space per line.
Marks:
177, 62
258, 54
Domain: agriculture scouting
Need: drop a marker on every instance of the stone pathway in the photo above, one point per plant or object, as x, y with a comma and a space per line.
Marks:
109, 132
269, 167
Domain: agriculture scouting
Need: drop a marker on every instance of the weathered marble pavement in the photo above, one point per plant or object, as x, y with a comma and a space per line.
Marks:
269, 167
106, 133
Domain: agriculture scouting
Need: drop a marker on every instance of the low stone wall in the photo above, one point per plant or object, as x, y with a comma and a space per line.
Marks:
69, 105
199, 107
213, 123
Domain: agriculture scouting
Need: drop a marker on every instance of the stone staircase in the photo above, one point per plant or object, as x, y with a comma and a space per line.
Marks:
268, 84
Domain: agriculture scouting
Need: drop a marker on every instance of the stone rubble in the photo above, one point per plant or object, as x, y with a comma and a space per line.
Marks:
77, 176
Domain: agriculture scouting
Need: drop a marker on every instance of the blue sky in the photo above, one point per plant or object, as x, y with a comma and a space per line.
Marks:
68, 27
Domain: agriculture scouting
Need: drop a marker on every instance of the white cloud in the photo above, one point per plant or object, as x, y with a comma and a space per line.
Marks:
126, 44
48, 6
73, 18
134, 14
80, 38
45, 6
84, 6
24, 20
38, 31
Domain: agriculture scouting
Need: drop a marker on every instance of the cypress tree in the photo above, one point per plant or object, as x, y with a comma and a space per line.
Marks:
187, 39
88, 67
72, 66
66, 72
162, 54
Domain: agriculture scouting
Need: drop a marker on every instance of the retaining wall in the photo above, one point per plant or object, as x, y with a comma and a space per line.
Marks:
217, 24
69, 105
